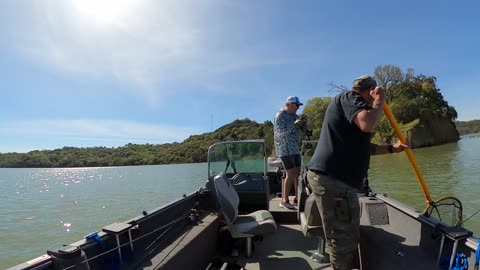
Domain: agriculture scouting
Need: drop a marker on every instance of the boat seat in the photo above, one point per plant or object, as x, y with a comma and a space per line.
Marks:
310, 219
241, 226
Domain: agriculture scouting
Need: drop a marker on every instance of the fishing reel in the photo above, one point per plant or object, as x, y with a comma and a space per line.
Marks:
302, 124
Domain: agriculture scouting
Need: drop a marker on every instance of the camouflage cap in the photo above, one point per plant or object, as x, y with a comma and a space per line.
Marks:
364, 82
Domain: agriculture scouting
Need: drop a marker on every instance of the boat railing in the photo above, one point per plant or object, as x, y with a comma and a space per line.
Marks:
456, 234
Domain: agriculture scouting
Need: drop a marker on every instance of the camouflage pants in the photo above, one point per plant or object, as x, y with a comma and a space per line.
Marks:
340, 211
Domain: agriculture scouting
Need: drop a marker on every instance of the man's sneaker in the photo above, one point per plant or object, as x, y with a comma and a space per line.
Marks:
287, 205
295, 202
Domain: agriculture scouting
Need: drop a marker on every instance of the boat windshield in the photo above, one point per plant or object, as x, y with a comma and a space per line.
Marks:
237, 157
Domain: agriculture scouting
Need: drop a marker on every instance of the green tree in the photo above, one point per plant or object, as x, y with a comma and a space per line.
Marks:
388, 74
315, 109
268, 132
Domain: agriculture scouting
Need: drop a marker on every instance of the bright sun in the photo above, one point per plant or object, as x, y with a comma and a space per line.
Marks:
102, 12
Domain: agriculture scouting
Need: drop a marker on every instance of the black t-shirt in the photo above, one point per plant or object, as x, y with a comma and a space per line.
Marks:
343, 150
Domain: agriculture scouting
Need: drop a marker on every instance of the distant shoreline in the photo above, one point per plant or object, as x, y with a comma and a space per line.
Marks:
473, 135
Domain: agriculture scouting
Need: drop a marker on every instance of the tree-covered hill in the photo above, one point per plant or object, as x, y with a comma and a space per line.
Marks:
468, 127
193, 149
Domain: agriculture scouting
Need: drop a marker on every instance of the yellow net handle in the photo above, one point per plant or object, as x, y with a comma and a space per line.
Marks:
409, 152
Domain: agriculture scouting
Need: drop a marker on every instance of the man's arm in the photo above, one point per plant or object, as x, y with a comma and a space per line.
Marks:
367, 120
376, 149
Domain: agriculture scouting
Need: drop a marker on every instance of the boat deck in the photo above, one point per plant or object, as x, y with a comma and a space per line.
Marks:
286, 249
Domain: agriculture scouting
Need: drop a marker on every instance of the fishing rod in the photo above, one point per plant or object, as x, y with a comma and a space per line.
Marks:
470, 217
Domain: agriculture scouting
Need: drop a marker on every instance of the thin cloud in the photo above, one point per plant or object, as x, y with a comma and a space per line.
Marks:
150, 45
109, 130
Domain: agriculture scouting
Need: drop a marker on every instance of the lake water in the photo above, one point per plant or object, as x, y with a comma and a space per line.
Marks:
44, 208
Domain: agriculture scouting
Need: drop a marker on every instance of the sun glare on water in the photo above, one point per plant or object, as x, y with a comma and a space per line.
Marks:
102, 12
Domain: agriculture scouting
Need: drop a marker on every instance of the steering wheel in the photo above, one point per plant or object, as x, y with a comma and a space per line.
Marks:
240, 178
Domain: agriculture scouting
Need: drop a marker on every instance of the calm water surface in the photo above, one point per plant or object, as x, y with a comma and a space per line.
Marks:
44, 208
450, 169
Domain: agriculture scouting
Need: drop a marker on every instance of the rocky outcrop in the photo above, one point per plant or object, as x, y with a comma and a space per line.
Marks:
432, 130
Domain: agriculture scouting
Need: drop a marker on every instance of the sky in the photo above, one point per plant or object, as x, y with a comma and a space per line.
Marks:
87, 73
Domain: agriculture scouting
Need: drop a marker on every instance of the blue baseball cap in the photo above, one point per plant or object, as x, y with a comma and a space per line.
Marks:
293, 99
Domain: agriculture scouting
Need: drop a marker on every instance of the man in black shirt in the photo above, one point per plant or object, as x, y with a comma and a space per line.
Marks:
340, 164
